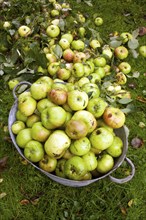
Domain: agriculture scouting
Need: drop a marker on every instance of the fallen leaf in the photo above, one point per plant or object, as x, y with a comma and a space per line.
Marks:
24, 202
123, 210
1, 180
130, 203
141, 99
3, 163
2, 195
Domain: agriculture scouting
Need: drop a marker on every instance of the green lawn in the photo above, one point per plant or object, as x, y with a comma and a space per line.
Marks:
25, 193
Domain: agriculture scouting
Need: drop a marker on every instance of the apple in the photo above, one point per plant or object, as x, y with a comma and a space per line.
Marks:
32, 119
20, 116
78, 45
17, 126
101, 123
90, 160
27, 105
6, 24
34, 151
94, 78
54, 12
79, 57
80, 147
87, 176
82, 81
39, 132
115, 150
39, 90
87, 69
78, 70
59, 84
23, 137
75, 168
67, 36
44, 103
107, 52
76, 129
121, 79
91, 64
91, 89
77, 100
101, 138
24, 31
53, 30
99, 61
64, 43
57, 143
53, 117
121, 52
87, 117
142, 50
125, 36
124, 67
68, 118
114, 117
68, 55
48, 163
12, 83
94, 43
81, 32
98, 21
51, 57
58, 96
67, 154
59, 171
101, 71
97, 106
24, 94
53, 68
107, 69
105, 163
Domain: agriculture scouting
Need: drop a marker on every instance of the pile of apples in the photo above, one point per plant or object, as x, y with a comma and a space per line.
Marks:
63, 123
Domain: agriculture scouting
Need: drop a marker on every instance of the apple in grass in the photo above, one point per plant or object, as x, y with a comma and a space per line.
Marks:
107, 52
80, 147
90, 160
23, 137
32, 119
34, 151
39, 132
44, 103
68, 37
48, 163
24, 31
58, 96
101, 138
17, 126
75, 168
64, 43
114, 117
76, 129
12, 83
105, 163
27, 105
68, 55
82, 32
53, 68
125, 36
121, 52
97, 106
121, 78
116, 148
98, 21
56, 144
77, 100
142, 50
78, 45
53, 30
53, 117
94, 43
87, 117
99, 61
124, 67
91, 89
78, 70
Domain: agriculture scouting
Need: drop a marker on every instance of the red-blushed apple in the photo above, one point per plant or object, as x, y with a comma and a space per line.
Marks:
105, 163
57, 143
77, 100
75, 168
79, 57
27, 105
101, 138
32, 119
23, 137
76, 129
48, 163
64, 73
90, 160
121, 78
121, 52
97, 106
39, 132
17, 126
58, 96
53, 30
68, 55
80, 147
114, 117
34, 151
116, 148
87, 117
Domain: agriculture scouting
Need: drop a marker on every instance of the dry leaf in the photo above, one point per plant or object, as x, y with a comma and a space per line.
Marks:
24, 202
2, 195
123, 210
1, 180
130, 203
3, 163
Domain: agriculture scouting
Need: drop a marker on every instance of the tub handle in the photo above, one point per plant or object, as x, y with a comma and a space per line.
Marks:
126, 179
19, 84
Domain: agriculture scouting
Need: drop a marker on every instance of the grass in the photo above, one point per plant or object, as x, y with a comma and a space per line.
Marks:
30, 194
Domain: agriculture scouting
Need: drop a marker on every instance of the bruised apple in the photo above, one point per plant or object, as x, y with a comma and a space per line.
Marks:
58, 96
48, 163
80, 147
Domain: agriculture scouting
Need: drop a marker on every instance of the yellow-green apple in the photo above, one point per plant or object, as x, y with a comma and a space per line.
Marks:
78, 45
46, 79
105, 163
67, 154
81, 32
51, 57
80, 147
20, 116
87, 176
77, 100
48, 163
90, 160
78, 70
114, 117
44, 103
94, 43
125, 36
100, 71
12, 83
39, 90
116, 148
24, 31
59, 171
98, 21
82, 81
101, 138
91, 89
75, 168
23, 137
57, 143
58, 96
54, 12
87, 69
39, 132
101, 123
99, 61
121, 52
67, 36
124, 67
53, 68
107, 52
142, 50
64, 43
121, 78
97, 106
79, 57
53, 30
34, 151
27, 105
17, 126
94, 78
64, 73
32, 119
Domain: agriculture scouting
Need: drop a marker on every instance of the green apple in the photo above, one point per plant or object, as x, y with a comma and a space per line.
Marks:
58, 96
101, 138
48, 163
46, 79
44, 103
75, 168
20, 116
94, 43
51, 57
116, 148
27, 105
78, 70
81, 32
91, 89
121, 52
32, 119
87, 176
59, 171
34, 151
12, 83
101, 123
99, 61
107, 52
53, 30
142, 50
82, 81
80, 147
39, 132
67, 36
17, 126
114, 117
53, 68
78, 45
124, 67
76, 129
24, 31
100, 71
79, 57
125, 36
77, 100
105, 163
94, 78
87, 69
57, 143
54, 12
67, 154
24, 94
64, 43
90, 160
97, 106
98, 21
53, 117
87, 117
23, 137
121, 78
